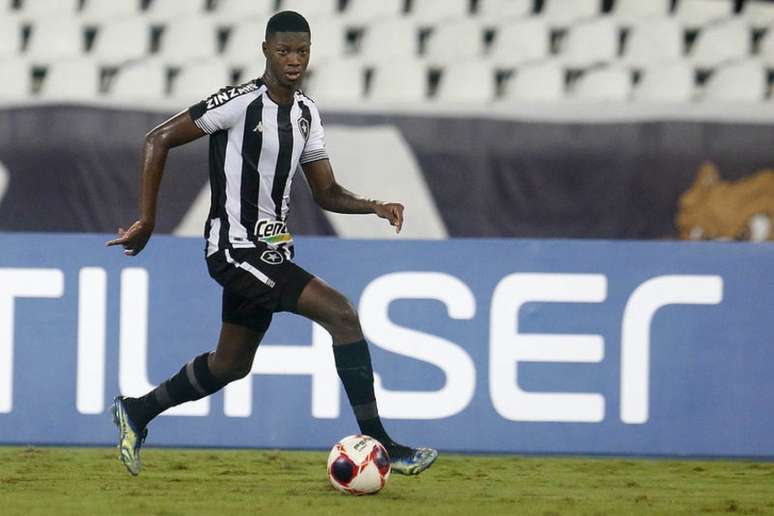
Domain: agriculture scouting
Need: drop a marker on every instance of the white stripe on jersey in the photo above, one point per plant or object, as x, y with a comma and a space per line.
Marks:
233, 165
268, 162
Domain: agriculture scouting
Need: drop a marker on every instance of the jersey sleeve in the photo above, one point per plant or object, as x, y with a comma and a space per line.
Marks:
315, 146
221, 110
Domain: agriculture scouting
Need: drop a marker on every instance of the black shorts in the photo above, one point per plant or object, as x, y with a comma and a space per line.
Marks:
256, 283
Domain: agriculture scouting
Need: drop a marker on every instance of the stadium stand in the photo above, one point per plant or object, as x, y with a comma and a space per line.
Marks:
229, 12
665, 83
139, 82
520, 42
16, 84
542, 82
695, 14
75, 79
55, 38
590, 43
121, 40
658, 40
563, 13
467, 82
363, 12
99, 11
514, 40
758, 13
604, 84
199, 80
742, 81
399, 81
629, 12
163, 11
455, 41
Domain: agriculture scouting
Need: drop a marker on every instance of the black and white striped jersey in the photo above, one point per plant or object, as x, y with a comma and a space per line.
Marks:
256, 146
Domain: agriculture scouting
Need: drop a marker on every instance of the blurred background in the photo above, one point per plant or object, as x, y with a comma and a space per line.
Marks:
644, 119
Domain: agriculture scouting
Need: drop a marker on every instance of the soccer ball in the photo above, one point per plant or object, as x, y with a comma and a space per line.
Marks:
358, 464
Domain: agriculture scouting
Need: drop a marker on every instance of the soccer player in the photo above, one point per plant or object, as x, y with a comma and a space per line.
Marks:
260, 132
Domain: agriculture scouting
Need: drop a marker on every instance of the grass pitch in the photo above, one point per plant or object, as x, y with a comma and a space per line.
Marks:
92, 481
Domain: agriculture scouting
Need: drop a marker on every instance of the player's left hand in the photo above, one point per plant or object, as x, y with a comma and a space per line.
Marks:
391, 211
133, 239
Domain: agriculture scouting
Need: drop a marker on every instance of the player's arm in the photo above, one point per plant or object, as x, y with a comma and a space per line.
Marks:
331, 196
178, 130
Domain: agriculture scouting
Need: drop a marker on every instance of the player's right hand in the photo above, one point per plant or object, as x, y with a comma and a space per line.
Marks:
133, 239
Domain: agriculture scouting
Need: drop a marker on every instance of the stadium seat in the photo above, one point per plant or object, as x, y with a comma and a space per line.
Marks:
98, 11
121, 40
140, 82
743, 81
455, 41
543, 82
55, 38
758, 13
431, 12
672, 82
17, 79
228, 12
361, 12
76, 79
34, 9
243, 48
311, 8
399, 81
389, 40
694, 14
329, 39
605, 84
653, 41
766, 49
10, 37
629, 12
591, 42
495, 12
339, 82
198, 81
563, 13
188, 39
467, 82
716, 44
521, 41
163, 11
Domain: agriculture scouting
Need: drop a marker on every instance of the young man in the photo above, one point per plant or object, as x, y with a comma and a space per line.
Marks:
259, 134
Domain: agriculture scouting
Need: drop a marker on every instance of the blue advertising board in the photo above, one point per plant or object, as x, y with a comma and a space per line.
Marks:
536, 346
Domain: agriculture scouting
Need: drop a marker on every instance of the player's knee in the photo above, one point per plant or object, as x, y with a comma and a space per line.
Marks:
230, 371
347, 317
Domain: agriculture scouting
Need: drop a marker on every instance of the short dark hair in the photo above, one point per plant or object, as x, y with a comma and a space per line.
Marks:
287, 21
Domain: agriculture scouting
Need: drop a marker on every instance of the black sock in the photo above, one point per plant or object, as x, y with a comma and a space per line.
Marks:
353, 363
194, 381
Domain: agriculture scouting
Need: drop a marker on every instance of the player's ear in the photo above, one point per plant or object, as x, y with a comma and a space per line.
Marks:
265, 49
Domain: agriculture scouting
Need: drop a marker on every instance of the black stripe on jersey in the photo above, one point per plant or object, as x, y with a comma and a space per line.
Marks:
218, 143
252, 140
284, 156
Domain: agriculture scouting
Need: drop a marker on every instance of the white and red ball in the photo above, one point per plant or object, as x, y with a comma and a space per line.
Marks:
358, 464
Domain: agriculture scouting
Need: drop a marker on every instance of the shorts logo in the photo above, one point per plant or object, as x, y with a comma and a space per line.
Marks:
303, 125
272, 257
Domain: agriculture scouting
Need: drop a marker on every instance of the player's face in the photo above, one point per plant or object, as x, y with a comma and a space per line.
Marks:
287, 55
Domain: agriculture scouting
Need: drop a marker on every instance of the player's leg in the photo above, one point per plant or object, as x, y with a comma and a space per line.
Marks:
202, 376
329, 308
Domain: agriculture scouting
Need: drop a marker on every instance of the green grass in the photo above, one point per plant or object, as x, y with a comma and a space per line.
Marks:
92, 481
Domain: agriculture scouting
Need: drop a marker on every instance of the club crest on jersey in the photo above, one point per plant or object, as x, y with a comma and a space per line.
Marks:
272, 257
303, 125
